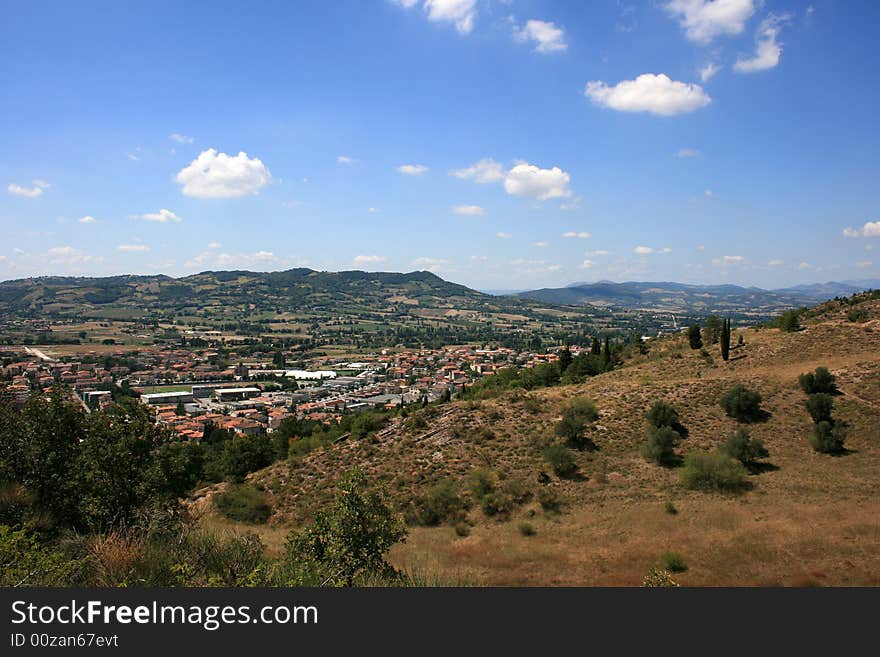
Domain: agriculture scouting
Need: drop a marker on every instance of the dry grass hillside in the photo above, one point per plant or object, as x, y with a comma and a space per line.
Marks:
809, 519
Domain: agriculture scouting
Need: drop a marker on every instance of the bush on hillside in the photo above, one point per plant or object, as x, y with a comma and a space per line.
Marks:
745, 449
820, 381
828, 437
663, 414
561, 460
713, 471
244, 504
742, 404
660, 445
820, 406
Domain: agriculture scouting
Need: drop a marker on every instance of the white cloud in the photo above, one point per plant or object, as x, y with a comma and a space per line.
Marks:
708, 193
344, 159
686, 152
805, 266
597, 252
412, 169
431, 264
406, 4
33, 192
583, 235
471, 210
542, 245
241, 260
215, 245
586, 264
163, 216
70, 257
486, 170
372, 210
218, 175
181, 139
729, 260
870, 229
368, 259
546, 36
768, 49
703, 20
132, 248
643, 250
657, 94
664, 250
776, 262
526, 179
708, 72
61, 251
503, 236
88, 219
460, 12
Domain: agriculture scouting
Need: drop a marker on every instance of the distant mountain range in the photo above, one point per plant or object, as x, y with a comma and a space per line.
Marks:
695, 299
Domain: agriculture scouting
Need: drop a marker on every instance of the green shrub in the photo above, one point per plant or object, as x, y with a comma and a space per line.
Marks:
244, 504
789, 321
660, 445
745, 449
549, 499
669, 507
575, 419
441, 503
673, 562
462, 529
663, 415
857, 315
497, 503
481, 482
820, 406
713, 471
561, 460
527, 529
742, 404
819, 381
828, 437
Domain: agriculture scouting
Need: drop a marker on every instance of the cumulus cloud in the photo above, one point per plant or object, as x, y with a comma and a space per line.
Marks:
431, 264
70, 256
484, 171
218, 175
344, 159
596, 252
776, 262
586, 264
583, 235
704, 20
649, 250
657, 94
181, 139
804, 266
471, 210
215, 245
459, 12
368, 259
133, 248
163, 216
526, 179
503, 236
870, 229
28, 192
412, 169
768, 49
542, 245
728, 260
686, 152
88, 219
546, 36
708, 72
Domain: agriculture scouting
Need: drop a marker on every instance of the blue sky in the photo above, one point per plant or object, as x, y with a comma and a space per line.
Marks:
501, 144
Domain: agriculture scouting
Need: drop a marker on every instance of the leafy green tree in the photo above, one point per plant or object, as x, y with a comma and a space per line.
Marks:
713, 471
745, 449
827, 437
245, 454
352, 536
575, 419
663, 414
820, 406
694, 338
790, 321
660, 445
742, 404
27, 562
712, 330
565, 360
821, 380
561, 460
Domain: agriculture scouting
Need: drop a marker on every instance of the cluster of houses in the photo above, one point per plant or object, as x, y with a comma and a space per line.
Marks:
255, 397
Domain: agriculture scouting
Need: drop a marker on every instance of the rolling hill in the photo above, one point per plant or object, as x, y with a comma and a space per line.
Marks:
809, 518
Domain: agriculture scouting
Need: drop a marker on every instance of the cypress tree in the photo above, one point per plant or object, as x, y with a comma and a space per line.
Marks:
606, 355
694, 337
596, 347
725, 339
